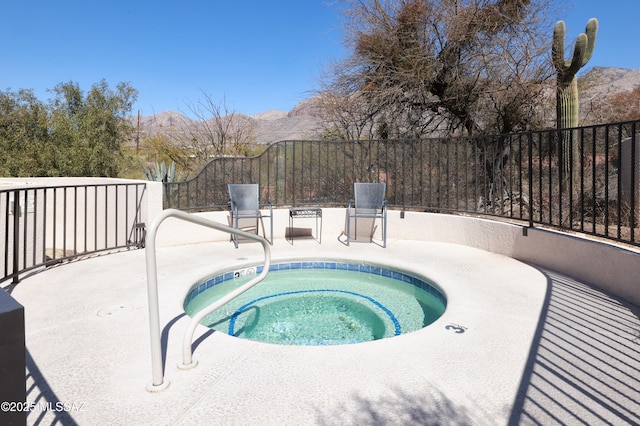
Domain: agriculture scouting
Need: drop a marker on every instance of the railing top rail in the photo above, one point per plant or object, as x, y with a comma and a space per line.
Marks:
28, 187
44, 221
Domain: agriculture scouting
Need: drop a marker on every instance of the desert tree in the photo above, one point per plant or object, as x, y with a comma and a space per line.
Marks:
465, 66
345, 116
23, 134
88, 129
214, 130
159, 148
73, 134
447, 68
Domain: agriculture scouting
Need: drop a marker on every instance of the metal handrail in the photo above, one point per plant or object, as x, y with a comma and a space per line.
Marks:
158, 383
46, 224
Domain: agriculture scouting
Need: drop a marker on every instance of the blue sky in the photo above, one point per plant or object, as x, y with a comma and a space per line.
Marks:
257, 55
618, 39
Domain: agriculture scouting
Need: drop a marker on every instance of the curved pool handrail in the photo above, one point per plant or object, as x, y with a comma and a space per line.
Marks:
158, 382
187, 361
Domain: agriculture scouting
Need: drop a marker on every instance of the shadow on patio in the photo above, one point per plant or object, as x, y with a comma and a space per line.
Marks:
584, 365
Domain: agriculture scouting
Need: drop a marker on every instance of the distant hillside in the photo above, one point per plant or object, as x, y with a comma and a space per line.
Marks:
598, 85
304, 120
269, 126
300, 123
601, 81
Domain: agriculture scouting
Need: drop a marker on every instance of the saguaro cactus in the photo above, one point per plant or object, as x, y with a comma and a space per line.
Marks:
567, 95
567, 83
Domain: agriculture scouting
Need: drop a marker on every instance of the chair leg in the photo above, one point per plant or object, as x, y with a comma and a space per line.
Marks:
235, 236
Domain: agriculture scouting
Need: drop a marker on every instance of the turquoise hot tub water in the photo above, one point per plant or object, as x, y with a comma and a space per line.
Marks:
319, 303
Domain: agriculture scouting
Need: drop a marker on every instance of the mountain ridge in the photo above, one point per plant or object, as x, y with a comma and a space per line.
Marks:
305, 119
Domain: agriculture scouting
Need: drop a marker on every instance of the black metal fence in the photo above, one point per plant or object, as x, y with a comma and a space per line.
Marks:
584, 179
42, 226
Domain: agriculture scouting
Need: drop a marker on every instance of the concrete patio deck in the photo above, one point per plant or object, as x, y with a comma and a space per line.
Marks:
538, 347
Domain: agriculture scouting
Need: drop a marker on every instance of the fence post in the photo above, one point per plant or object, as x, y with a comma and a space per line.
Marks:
634, 182
16, 235
530, 177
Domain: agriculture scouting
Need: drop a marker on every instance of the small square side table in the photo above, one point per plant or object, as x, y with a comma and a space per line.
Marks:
306, 212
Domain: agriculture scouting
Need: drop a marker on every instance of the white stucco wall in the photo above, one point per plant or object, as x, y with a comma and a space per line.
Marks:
613, 268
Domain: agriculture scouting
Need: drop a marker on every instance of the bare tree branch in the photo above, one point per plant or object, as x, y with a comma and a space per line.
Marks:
419, 65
